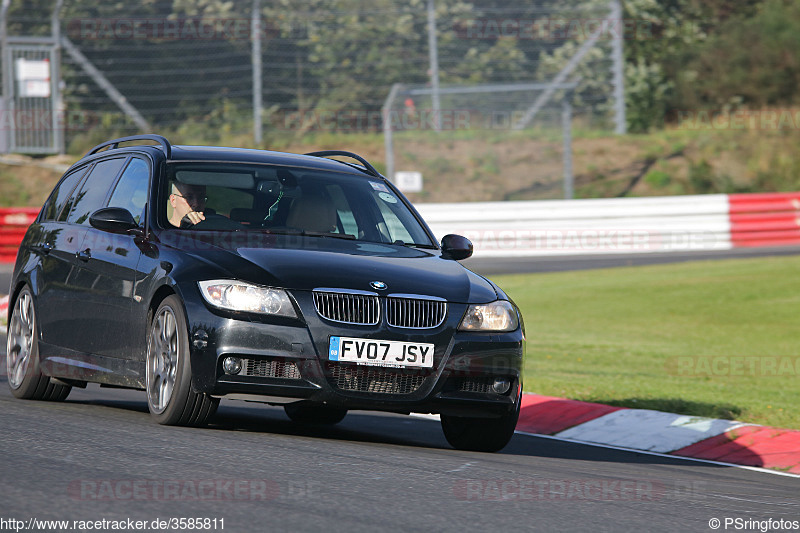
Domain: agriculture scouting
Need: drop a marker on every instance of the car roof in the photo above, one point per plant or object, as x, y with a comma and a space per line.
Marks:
178, 153
249, 155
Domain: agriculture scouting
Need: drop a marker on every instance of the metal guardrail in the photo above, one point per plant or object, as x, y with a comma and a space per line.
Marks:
14, 222
768, 219
621, 225
579, 227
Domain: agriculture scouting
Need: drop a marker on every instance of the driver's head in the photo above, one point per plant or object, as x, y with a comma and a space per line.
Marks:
185, 198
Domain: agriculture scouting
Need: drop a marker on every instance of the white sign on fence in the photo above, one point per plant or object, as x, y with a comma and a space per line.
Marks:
34, 78
408, 180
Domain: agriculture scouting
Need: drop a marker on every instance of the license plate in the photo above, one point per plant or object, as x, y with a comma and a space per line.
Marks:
381, 353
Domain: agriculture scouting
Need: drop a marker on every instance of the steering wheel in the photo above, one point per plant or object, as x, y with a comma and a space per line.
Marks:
212, 221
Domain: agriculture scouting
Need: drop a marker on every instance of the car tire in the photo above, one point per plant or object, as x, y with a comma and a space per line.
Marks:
168, 380
25, 378
480, 434
306, 414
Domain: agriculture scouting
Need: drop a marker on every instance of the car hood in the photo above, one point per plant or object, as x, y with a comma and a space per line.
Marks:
306, 263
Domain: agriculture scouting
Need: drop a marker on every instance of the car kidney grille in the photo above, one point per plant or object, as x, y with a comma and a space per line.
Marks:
349, 308
374, 379
415, 313
275, 368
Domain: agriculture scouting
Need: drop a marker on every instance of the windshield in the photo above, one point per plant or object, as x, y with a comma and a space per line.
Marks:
234, 197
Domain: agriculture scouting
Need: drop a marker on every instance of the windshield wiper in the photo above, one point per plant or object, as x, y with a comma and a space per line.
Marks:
415, 245
282, 231
305, 233
328, 234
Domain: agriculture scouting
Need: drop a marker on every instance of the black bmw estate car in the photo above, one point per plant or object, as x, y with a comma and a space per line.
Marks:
200, 273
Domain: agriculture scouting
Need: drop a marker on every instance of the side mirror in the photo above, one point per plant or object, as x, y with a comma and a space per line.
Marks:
114, 220
456, 247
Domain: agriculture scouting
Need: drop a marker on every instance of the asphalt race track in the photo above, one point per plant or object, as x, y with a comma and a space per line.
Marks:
98, 456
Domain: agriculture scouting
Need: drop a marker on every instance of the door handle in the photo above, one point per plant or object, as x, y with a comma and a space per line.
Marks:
45, 248
84, 255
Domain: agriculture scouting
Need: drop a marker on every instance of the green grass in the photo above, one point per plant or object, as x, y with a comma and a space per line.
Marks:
621, 336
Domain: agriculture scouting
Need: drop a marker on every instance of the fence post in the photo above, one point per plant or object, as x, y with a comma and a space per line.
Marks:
387, 130
434, 61
58, 102
618, 67
566, 128
5, 69
256, 60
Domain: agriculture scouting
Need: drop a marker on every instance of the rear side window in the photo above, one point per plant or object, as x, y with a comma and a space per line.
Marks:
59, 196
93, 193
131, 190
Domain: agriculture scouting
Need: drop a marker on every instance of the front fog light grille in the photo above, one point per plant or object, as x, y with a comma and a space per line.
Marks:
374, 379
480, 385
270, 368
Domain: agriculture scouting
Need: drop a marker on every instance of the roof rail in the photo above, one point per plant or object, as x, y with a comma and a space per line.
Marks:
327, 153
166, 147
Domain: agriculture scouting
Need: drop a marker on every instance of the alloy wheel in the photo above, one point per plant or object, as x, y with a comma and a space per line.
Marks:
20, 340
162, 360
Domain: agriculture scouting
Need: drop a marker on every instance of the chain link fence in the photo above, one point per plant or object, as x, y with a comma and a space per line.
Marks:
187, 69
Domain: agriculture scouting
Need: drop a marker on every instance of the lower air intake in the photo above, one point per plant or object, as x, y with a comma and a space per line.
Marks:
481, 385
270, 368
374, 379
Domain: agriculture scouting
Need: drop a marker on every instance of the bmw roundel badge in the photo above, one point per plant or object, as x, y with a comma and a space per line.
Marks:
377, 285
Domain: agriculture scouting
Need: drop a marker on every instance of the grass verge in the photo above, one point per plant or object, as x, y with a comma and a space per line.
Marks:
713, 338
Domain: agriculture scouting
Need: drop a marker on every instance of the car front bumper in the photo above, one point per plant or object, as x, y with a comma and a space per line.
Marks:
287, 361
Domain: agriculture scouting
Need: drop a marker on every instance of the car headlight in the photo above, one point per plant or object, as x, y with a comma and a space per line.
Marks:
240, 296
496, 316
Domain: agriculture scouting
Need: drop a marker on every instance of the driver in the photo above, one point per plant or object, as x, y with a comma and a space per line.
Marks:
187, 201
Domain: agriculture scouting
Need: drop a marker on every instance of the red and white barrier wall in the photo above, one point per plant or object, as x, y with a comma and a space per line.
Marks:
14, 221
769, 219
620, 225
577, 227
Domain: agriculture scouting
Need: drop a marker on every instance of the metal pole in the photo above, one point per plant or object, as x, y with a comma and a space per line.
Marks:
58, 103
566, 127
256, 59
543, 98
619, 72
386, 111
6, 69
104, 84
433, 52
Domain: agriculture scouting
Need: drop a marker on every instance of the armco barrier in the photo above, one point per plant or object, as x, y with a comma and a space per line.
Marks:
14, 221
769, 219
578, 227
